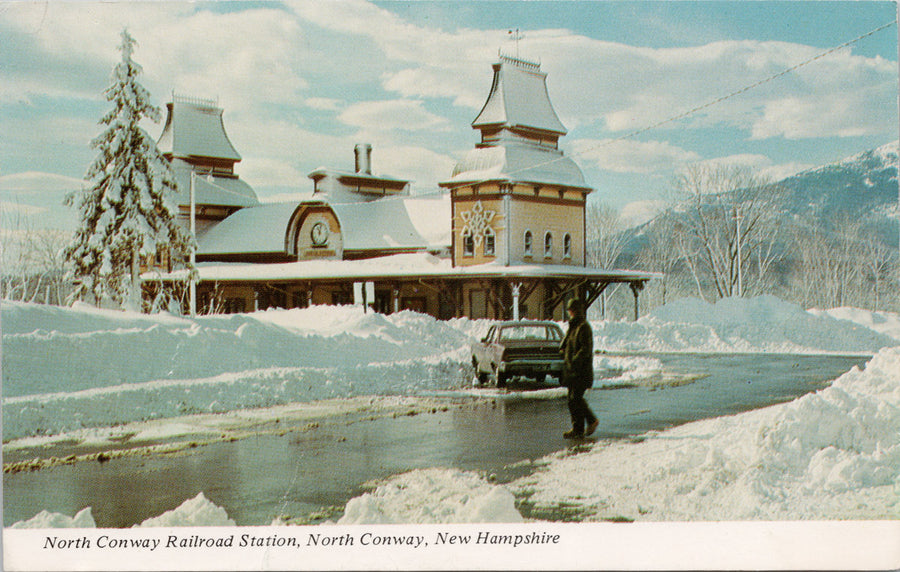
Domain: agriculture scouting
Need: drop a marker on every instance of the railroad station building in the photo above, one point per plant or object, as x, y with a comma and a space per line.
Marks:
503, 237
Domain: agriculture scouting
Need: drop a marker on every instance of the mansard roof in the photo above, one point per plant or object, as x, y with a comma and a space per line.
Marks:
213, 188
519, 99
194, 128
519, 134
517, 163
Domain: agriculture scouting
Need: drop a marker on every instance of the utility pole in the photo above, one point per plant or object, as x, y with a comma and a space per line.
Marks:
193, 258
740, 285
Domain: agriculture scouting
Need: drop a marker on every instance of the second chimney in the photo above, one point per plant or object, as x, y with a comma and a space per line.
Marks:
363, 152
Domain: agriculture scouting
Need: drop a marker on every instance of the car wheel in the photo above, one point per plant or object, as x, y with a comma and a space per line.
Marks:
500, 378
481, 376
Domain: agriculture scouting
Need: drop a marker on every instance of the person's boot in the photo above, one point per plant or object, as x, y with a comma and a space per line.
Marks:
573, 434
592, 426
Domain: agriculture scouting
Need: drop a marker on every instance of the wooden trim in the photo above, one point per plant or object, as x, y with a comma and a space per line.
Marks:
254, 257
520, 197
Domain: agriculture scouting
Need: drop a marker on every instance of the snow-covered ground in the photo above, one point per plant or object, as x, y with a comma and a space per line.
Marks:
198, 511
736, 325
833, 454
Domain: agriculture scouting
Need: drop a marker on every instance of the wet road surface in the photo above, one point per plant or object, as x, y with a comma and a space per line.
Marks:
310, 475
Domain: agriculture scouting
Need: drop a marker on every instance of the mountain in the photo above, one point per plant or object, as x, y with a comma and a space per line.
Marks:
863, 188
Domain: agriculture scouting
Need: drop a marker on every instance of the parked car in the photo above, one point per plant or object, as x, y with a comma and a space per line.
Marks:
518, 348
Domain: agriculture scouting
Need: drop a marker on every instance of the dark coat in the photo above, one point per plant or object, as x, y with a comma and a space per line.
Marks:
578, 354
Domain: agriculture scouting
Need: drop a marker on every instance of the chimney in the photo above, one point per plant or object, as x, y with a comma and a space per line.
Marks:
363, 152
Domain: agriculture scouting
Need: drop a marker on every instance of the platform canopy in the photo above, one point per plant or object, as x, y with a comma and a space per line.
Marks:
561, 282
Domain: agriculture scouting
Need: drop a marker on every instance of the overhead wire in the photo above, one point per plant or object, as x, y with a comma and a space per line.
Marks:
672, 119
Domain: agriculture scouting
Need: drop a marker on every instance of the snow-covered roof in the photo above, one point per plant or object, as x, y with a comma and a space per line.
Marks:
212, 189
256, 229
519, 98
322, 172
517, 162
419, 264
395, 223
194, 128
410, 222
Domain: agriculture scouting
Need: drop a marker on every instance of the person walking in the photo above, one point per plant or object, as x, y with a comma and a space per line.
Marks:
578, 370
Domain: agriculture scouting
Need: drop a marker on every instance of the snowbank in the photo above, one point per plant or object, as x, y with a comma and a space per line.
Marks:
113, 348
887, 323
738, 325
833, 454
431, 496
197, 511
45, 519
69, 368
66, 369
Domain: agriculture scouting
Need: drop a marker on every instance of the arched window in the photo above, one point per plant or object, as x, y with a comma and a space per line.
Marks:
548, 245
468, 244
528, 245
489, 242
567, 246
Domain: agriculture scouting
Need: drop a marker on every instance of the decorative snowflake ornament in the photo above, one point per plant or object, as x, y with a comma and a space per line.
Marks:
478, 222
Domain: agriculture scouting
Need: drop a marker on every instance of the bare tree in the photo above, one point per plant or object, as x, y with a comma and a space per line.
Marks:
605, 241
33, 266
729, 221
877, 263
660, 253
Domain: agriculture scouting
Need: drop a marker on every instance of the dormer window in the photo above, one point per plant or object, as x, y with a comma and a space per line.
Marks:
548, 245
528, 243
567, 246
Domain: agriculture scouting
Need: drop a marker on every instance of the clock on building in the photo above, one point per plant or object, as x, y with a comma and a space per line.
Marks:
319, 234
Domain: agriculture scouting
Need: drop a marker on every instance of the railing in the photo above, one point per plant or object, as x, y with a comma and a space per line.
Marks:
519, 62
202, 102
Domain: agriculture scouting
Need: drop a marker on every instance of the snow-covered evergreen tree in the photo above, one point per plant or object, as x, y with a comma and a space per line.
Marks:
127, 212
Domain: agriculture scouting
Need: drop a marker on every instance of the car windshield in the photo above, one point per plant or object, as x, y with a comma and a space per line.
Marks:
542, 333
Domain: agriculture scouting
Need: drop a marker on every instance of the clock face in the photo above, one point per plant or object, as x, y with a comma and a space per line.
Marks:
319, 234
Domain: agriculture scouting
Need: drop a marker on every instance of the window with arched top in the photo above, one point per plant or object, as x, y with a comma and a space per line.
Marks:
489, 242
528, 243
567, 246
548, 245
468, 244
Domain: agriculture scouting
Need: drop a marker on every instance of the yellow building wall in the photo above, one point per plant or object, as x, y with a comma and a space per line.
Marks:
333, 248
540, 219
490, 201
540, 209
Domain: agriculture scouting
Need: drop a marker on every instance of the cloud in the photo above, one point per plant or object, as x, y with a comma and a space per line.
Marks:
280, 153
14, 209
181, 47
284, 71
391, 115
424, 61
423, 167
624, 156
638, 212
31, 182
760, 164
622, 88
323, 103
837, 96
34, 200
833, 114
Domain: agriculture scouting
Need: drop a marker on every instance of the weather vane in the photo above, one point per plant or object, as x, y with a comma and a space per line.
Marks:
516, 35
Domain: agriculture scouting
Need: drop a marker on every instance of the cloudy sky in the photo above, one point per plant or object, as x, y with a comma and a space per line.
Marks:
302, 82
